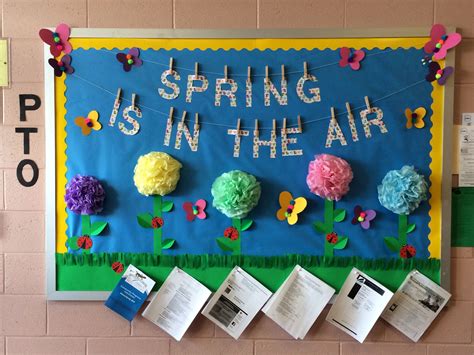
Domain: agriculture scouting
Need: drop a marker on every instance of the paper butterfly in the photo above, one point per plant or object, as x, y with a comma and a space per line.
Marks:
440, 42
61, 66
415, 118
89, 123
130, 59
363, 217
351, 58
196, 210
436, 73
58, 41
290, 207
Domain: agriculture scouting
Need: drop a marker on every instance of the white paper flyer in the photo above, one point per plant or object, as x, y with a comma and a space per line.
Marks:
358, 305
236, 302
415, 305
298, 302
177, 303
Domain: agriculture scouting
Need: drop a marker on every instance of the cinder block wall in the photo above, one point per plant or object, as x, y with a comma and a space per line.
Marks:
29, 324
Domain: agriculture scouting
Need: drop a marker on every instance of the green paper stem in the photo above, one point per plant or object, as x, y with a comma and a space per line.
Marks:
402, 228
85, 224
238, 244
329, 223
157, 202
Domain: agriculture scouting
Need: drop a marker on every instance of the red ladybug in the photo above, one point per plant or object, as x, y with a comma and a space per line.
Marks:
231, 233
407, 251
157, 222
332, 237
117, 267
84, 242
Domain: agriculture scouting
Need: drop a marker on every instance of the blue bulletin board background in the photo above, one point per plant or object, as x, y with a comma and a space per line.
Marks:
392, 78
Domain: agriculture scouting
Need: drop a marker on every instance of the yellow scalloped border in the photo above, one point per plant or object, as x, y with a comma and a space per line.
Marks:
249, 44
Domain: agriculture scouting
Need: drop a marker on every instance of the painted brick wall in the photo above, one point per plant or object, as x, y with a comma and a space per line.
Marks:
29, 324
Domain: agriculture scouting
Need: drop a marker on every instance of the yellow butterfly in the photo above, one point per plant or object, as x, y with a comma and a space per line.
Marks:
89, 123
290, 207
415, 118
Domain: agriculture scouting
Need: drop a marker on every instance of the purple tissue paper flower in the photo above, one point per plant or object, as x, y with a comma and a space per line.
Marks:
84, 195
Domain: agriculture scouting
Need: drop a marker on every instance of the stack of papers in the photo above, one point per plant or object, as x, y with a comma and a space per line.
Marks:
358, 305
298, 302
236, 302
415, 305
177, 303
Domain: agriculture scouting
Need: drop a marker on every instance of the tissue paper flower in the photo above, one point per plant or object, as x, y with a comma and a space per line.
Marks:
84, 195
329, 177
235, 193
156, 173
402, 190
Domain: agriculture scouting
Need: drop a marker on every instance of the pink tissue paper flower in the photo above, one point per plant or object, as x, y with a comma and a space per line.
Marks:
329, 177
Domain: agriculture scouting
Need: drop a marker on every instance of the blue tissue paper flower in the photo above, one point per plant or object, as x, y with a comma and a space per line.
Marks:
402, 190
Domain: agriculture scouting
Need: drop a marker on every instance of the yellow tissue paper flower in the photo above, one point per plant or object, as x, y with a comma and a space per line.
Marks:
156, 173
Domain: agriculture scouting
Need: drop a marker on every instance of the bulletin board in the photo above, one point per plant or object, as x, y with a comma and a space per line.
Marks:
294, 123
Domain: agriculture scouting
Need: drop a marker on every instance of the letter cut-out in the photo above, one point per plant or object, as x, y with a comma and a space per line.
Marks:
269, 87
173, 86
193, 141
334, 131
377, 121
238, 133
191, 88
316, 94
126, 116
230, 93
257, 142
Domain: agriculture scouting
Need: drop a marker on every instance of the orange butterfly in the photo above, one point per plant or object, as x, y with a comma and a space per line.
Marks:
290, 207
90, 123
415, 118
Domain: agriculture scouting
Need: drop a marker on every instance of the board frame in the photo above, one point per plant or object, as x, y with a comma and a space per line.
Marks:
50, 133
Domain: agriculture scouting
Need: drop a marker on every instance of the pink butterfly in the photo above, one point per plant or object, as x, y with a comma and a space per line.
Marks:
58, 41
363, 217
440, 42
196, 210
351, 58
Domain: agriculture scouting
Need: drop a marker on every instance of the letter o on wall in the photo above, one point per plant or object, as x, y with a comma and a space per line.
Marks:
19, 172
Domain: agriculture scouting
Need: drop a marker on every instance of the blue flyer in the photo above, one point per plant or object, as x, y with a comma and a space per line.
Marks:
130, 293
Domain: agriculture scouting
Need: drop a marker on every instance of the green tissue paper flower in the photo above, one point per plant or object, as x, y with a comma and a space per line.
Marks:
235, 193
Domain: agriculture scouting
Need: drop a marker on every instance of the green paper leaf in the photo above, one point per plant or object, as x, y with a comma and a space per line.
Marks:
339, 215
167, 243
225, 244
167, 206
411, 228
237, 223
72, 243
392, 243
98, 227
341, 243
144, 219
320, 227
246, 224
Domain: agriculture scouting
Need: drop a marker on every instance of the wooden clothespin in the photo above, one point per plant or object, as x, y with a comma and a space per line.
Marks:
266, 73
333, 115
171, 63
305, 70
300, 126
249, 73
170, 117
119, 93
274, 125
348, 108
196, 68
196, 122
367, 103
183, 117
255, 133
282, 72
284, 124
134, 96
238, 126
225, 73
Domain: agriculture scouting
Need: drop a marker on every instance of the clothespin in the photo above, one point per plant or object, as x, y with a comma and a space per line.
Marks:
255, 133
333, 115
367, 103
183, 117
119, 93
171, 63
225, 73
238, 126
282, 72
284, 125
266, 73
133, 100
196, 122
274, 125
348, 108
305, 70
249, 73
170, 117
300, 126
196, 68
